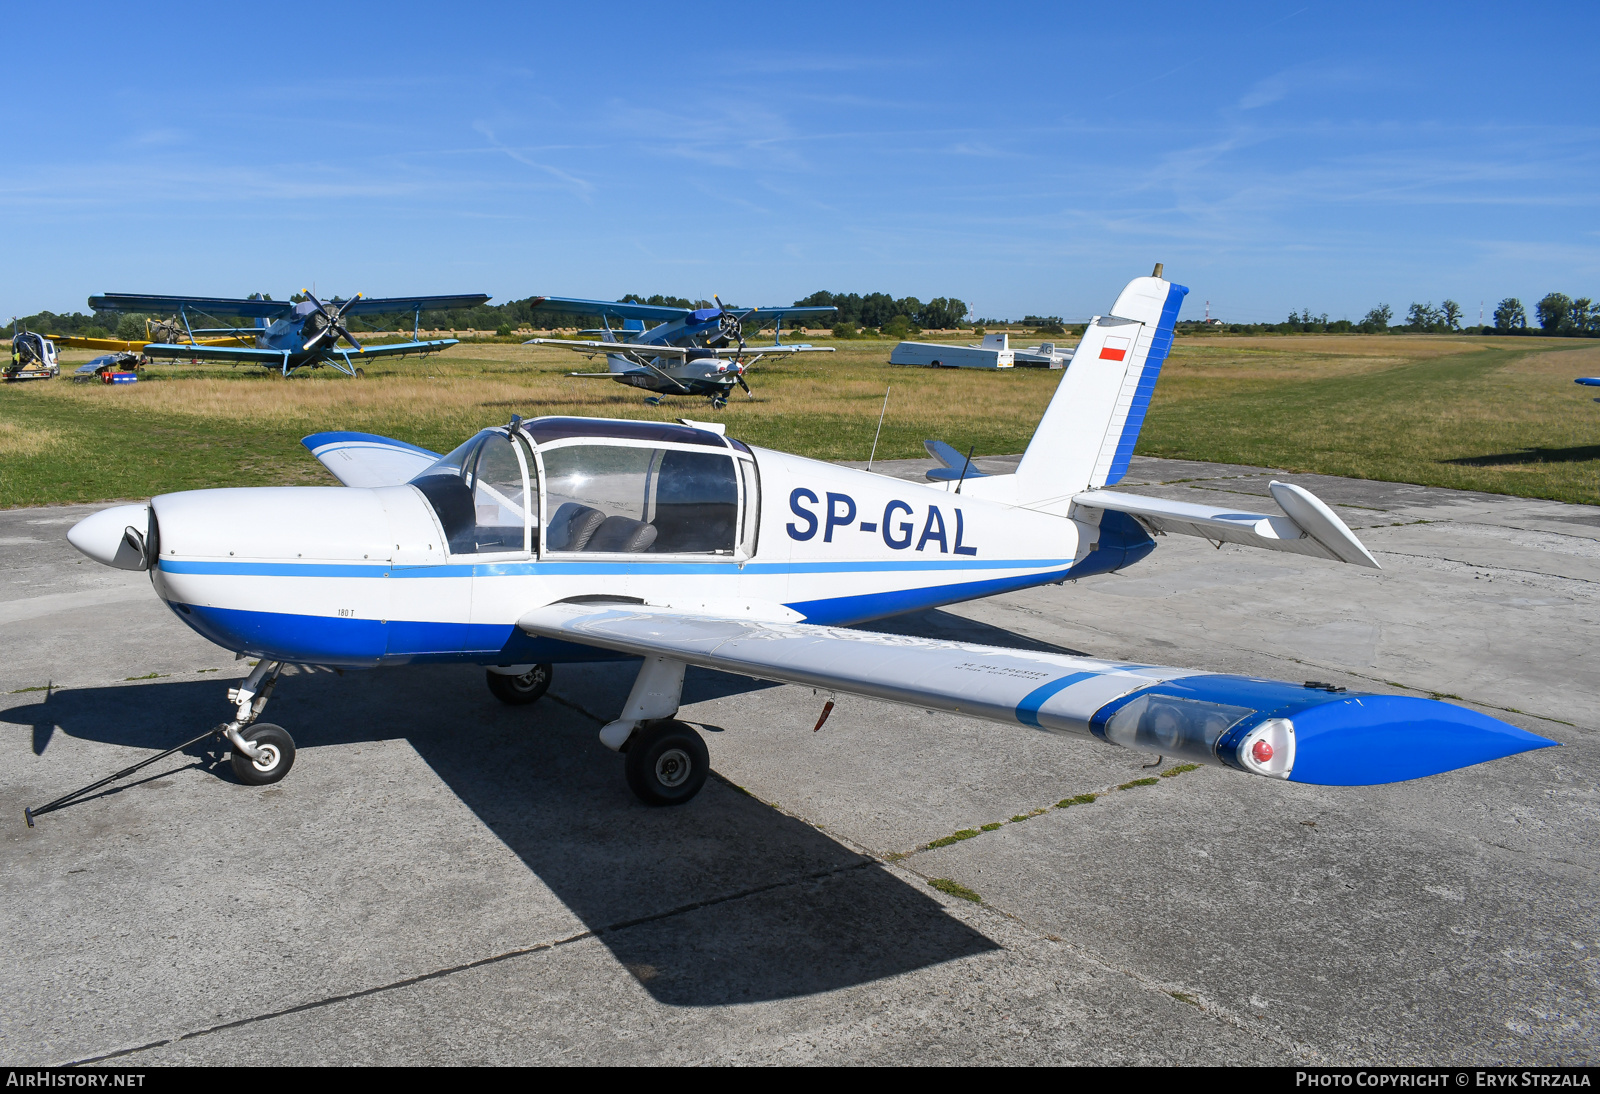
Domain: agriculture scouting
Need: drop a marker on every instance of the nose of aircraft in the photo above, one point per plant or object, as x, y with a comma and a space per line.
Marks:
114, 537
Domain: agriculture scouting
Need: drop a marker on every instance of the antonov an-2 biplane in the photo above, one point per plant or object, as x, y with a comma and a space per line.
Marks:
690, 351
288, 335
581, 539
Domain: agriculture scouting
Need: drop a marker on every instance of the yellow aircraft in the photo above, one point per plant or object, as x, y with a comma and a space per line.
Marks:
157, 332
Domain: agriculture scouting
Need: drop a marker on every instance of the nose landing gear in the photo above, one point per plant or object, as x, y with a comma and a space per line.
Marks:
262, 752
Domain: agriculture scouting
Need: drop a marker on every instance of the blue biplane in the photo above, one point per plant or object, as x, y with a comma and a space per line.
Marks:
288, 335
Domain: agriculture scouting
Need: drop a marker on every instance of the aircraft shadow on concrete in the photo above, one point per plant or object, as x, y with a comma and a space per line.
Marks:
795, 912
1572, 454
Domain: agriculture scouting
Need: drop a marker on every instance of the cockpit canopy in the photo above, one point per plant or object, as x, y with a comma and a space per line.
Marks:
567, 485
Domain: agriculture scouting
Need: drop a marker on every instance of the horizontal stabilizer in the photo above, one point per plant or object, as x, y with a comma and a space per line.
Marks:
366, 459
956, 464
1306, 527
1312, 733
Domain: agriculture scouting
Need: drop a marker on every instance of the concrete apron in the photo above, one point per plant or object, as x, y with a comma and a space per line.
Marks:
445, 879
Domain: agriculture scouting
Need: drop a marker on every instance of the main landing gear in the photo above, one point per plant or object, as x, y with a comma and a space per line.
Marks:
667, 762
518, 685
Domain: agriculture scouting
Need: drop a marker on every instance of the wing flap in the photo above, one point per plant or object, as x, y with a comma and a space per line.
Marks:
366, 459
1306, 527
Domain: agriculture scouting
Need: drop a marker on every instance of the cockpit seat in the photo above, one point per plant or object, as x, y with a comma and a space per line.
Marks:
622, 534
572, 527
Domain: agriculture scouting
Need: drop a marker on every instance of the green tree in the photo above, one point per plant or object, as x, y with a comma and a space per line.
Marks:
1585, 316
1554, 311
1377, 320
130, 328
1509, 315
1421, 317
1450, 314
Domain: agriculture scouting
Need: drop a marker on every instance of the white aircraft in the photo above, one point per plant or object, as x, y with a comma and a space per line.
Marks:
580, 539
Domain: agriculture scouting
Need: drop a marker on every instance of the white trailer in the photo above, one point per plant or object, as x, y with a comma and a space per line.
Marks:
994, 352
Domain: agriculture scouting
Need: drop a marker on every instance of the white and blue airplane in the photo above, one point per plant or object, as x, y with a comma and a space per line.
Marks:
579, 539
690, 351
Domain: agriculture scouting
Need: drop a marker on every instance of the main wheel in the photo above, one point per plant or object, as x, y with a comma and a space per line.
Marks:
276, 756
517, 690
667, 763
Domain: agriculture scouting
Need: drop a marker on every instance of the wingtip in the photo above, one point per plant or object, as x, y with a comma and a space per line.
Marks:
1368, 740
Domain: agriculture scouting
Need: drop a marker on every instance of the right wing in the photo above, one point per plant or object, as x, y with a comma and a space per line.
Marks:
118, 345
366, 459
1313, 733
238, 354
210, 305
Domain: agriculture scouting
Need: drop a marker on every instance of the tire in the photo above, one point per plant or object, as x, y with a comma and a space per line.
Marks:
667, 763
520, 690
273, 765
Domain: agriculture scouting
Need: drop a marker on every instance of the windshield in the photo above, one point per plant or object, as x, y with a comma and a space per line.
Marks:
479, 493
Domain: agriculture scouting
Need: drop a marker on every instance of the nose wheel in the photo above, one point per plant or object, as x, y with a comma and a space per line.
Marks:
274, 755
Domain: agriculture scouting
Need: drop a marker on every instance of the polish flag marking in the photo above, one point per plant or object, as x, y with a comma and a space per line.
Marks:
1115, 349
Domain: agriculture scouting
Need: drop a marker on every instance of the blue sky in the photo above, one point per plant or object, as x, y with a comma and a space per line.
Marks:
1023, 157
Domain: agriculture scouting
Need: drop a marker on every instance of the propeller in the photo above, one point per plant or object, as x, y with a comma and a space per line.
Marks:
733, 326
333, 324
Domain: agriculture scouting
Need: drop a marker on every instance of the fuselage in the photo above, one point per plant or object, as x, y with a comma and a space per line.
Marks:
360, 577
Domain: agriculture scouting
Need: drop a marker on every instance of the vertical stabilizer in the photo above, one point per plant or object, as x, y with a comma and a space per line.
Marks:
1086, 437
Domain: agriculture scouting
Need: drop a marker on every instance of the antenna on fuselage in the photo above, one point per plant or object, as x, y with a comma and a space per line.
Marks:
964, 468
879, 433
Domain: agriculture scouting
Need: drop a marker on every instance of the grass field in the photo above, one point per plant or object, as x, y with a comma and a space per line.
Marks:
1487, 414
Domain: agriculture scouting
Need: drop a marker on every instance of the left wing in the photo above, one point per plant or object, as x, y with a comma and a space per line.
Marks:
1311, 734
399, 349
375, 305
366, 459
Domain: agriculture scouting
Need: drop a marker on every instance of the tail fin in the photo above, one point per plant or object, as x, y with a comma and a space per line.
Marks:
1086, 437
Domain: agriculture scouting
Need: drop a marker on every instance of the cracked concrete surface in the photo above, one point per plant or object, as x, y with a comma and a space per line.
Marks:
444, 879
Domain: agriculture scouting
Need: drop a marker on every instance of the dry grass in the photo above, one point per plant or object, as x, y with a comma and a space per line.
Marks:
1484, 413
21, 441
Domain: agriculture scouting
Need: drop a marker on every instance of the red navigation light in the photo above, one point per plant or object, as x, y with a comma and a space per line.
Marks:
1262, 752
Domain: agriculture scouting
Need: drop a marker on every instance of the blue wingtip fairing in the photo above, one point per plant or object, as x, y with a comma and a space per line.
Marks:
1340, 738
1363, 740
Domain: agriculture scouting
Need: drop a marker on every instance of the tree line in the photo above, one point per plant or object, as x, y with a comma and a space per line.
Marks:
1556, 314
